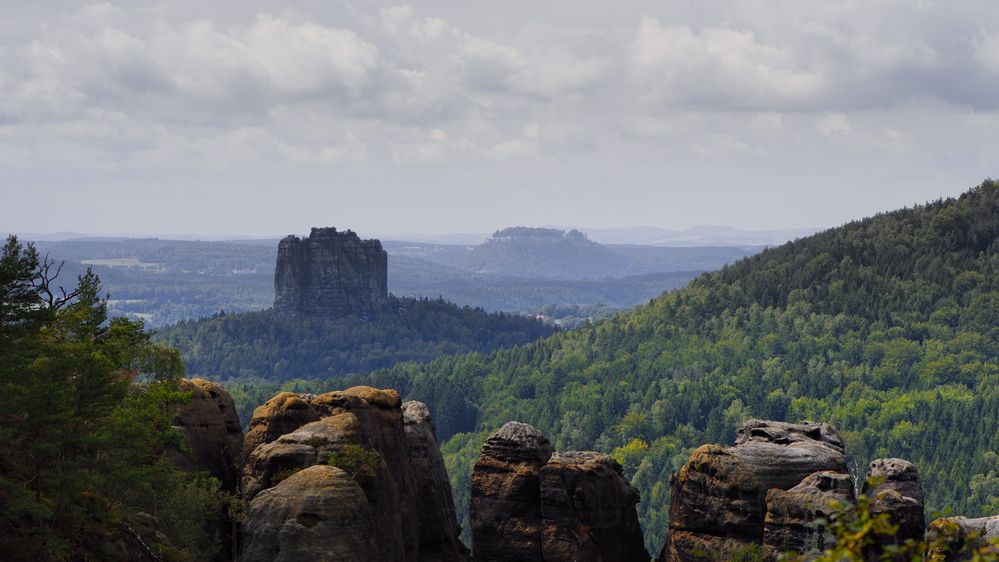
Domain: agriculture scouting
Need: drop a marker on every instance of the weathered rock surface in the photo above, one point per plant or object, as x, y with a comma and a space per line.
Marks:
395, 487
282, 414
506, 495
588, 510
796, 518
900, 496
530, 504
955, 539
330, 274
719, 497
317, 514
439, 530
211, 430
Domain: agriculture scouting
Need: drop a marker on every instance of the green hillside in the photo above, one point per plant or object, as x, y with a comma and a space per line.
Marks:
887, 327
274, 347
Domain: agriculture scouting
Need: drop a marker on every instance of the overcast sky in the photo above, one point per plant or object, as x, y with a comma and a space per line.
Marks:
252, 117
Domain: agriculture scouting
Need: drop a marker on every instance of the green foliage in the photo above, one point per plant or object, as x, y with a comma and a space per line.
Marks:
886, 327
83, 443
279, 348
356, 461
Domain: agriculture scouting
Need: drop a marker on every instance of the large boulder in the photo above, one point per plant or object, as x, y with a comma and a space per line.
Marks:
506, 495
588, 511
532, 504
319, 514
719, 497
956, 539
797, 518
439, 532
210, 426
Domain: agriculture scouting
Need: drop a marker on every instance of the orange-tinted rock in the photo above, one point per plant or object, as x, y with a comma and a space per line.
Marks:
282, 414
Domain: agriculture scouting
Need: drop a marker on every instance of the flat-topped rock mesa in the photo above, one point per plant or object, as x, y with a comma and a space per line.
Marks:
533, 504
330, 274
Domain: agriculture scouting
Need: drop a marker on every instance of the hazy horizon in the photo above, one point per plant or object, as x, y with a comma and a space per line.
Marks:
385, 117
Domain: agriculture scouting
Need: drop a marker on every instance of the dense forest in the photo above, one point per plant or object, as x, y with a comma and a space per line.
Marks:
275, 347
85, 429
887, 327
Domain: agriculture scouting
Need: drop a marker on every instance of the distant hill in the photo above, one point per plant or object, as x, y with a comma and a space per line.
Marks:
166, 281
545, 253
888, 327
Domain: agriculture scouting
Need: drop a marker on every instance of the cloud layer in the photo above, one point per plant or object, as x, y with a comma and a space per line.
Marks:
117, 93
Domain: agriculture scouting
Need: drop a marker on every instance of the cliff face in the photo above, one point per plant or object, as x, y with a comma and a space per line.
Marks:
531, 504
330, 274
388, 471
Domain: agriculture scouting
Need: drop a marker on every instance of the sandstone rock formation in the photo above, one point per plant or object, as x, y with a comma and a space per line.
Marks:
330, 274
506, 495
282, 414
955, 539
899, 495
362, 430
318, 514
530, 504
588, 510
439, 530
794, 517
719, 497
211, 430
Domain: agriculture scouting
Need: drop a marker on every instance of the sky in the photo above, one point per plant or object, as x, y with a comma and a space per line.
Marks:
267, 118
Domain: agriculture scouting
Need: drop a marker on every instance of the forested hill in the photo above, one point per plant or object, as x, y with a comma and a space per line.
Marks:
280, 347
887, 327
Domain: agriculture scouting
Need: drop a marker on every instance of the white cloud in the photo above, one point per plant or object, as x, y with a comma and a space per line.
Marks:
754, 86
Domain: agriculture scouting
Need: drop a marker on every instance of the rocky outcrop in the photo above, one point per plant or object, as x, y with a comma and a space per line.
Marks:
319, 514
796, 518
955, 539
330, 274
438, 536
898, 492
719, 497
282, 414
506, 495
588, 510
210, 426
530, 504
362, 431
